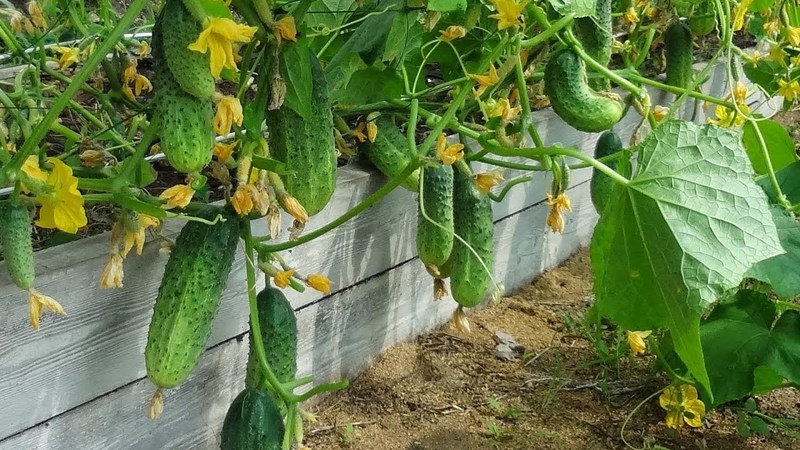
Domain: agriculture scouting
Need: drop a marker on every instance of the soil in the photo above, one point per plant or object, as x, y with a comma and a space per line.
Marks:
447, 390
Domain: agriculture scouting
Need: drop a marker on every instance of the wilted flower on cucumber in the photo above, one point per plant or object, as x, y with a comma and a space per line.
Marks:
39, 303
37, 15
319, 282
19, 22
283, 278
636, 341
229, 112
452, 33
790, 90
682, 406
177, 196
135, 224
285, 29
68, 56
448, 153
57, 193
558, 204
113, 272
488, 180
218, 38
223, 151
485, 81
242, 199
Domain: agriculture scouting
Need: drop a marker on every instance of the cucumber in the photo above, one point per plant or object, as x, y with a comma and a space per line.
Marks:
253, 422
704, 18
601, 185
191, 69
435, 244
307, 147
15, 240
187, 137
279, 334
572, 99
678, 52
469, 281
189, 296
389, 153
594, 34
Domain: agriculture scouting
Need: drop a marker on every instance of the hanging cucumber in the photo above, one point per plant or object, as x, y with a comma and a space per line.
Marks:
434, 244
601, 185
253, 422
15, 240
279, 334
595, 35
679, 55
389, 153
190, 69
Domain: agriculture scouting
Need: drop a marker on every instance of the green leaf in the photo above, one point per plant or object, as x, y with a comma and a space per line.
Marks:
780, 146
295, 67
780, 271
743, 424
216, 8
761, 5
329, 13
765, 380
447, 5
369, 86
788, 180
404, 38
763, 73
581, 8
369, 39
684, 230
738, 337
758, 426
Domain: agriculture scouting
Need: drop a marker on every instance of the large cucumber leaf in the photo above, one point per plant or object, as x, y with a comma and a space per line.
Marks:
781, 271
780, 146
581, 8
295, 67
685, 229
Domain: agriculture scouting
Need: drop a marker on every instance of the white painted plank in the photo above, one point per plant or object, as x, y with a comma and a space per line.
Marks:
339, 337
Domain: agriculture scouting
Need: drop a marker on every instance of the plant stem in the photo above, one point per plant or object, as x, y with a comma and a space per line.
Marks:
535, 153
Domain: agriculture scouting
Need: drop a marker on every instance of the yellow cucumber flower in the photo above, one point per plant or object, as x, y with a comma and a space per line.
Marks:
243, 199
485, 81
776, 54
134, 232
740, 93
557, 204
660, 113
229, 112
128, 92
793, 35
62, 204
37, 15
636, 341
509, 13
129, 73
283, 278
739, 13
144, 49
682, 405
788, 89
68, 56
141, 84
293, 207
504, 110
772, 28
223, 151
113, 272
39, 303
31, 168
488, 180
319, 283
452, 33
217, 39
285, 29
177, 196
631, 16
20, 23
448, 153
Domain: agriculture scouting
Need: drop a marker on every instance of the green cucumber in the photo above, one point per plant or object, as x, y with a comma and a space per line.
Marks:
389, 153
572, 99
279, 334
704, 18
435, 244
595, 35
191, 69
469, 280
15, 240
189, 296
679, 55
307, 147
253, 422
601, 185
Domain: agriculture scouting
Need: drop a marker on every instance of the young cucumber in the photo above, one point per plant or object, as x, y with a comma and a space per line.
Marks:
307, 146
389, 153
279, 334
253, 422
189, 295
15, 240
704, 18
678, 52
190, 69
469, 280
571, 97
434, 244
601, 185
594, 34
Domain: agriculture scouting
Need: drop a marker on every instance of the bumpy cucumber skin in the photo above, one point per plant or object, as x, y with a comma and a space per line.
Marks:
279, 333
469, 281
678, 53
15, 240
187, 138
701, 26
307, 147
434, 244
596, 38
601, 185
571, 97
389, 152
189, 295
190, 69
253, 422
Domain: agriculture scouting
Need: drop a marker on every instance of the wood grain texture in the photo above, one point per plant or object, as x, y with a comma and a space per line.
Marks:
99, 346
339, 337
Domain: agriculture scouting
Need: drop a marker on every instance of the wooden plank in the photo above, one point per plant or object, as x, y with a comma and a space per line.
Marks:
339, 337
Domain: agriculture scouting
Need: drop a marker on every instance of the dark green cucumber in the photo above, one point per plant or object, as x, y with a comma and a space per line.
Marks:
279, 334
389, 153
189, 296
595, 35
307, 147
191, 69
679, 55
435, 244
15, 240
601, 185
253, 422
472, 214
572, 99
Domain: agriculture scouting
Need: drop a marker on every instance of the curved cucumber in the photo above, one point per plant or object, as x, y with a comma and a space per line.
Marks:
191, 69
595, 35
389, 152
